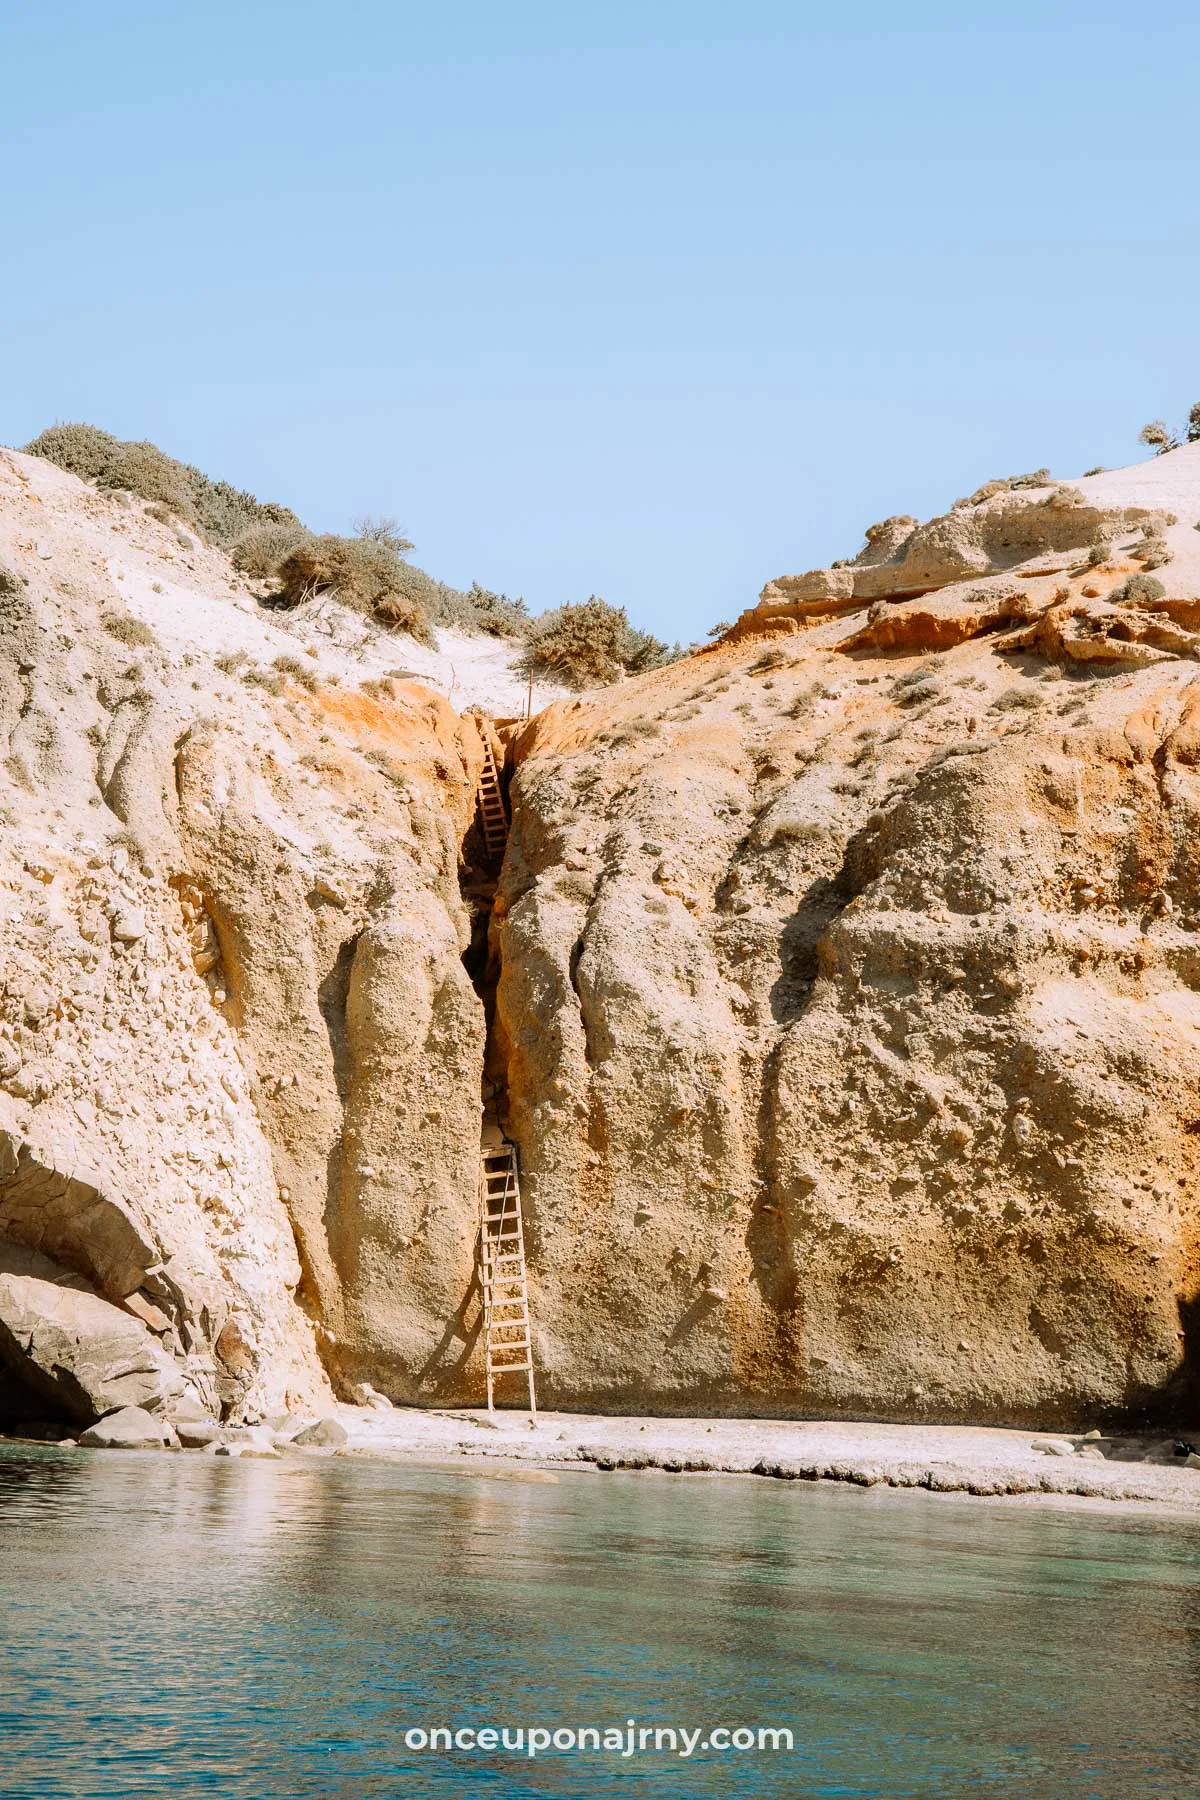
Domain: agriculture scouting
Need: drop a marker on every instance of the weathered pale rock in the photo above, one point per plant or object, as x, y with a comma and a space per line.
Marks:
82, 1355
129, 924
848, 977
132, 1428
326, 1434
186, 1409
195, 1434
1003, 532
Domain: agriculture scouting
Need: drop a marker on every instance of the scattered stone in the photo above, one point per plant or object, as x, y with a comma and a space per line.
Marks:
197, 1434
1055, 1447
326, 1434
129, 924
132, 1428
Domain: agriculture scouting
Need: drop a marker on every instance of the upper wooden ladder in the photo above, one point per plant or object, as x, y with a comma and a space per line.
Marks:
492, 813
506, 1340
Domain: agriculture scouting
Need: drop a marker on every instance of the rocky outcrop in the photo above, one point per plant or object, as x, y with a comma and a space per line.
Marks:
848, 1010
240, 1056
1040, 530
80, 1356
840, 986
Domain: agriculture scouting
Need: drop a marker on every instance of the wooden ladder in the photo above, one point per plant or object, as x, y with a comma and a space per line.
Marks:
492, 815
506, 1340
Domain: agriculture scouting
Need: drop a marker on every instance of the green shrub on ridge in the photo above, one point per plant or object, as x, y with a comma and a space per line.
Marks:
590, 645
221, 512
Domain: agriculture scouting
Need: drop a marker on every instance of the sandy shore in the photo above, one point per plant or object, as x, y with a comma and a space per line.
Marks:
941, 1458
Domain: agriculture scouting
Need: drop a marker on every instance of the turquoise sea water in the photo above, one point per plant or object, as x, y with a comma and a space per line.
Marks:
179, 1625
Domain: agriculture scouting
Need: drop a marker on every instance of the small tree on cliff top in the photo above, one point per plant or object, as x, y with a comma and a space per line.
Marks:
1159, 437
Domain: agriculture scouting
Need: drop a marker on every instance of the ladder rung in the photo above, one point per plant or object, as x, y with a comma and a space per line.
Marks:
500, 1254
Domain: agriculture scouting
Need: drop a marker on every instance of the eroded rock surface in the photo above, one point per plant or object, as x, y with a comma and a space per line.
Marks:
850, 1011
240, 1056
841, 987
77, 1353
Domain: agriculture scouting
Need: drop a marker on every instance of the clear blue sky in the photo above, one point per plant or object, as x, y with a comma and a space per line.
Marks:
652, 300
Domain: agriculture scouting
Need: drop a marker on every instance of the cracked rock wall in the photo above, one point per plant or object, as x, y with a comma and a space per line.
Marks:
850, 1009
240, 1057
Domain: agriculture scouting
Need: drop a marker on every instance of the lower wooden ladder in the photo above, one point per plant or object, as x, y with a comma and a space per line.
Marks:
492, 815
506, 1341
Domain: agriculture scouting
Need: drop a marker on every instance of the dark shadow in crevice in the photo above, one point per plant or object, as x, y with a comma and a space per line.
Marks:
332, 997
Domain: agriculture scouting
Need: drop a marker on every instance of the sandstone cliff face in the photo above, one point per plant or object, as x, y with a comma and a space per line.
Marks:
240, 1057
849, 1009
842, 989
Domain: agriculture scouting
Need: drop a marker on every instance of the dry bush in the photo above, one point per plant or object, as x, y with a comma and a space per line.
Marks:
1097, 555
127, 629
891, 527
1004, 484
270, 679
589, 645
1016, 700
988, 489
1158, 436
1138, 590
259, 551
222, 512
480, 610
269, 543
230, 661
385, 531
367, 576
298, 671
82, 450
143, 469
399, 612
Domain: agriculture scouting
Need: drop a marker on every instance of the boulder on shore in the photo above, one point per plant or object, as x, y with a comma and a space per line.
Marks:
78, 1353
133, 1428
326, 1434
